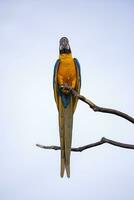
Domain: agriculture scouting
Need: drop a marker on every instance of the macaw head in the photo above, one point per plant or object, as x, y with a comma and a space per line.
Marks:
64, 45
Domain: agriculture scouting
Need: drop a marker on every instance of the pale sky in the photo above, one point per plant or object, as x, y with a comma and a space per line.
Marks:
101, 35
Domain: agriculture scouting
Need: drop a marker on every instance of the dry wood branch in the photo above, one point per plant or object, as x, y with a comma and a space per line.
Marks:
82, 148
98, 108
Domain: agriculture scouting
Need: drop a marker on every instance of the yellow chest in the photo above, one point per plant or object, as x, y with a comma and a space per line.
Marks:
67, 70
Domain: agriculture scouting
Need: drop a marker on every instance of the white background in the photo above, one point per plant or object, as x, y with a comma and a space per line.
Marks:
101, 35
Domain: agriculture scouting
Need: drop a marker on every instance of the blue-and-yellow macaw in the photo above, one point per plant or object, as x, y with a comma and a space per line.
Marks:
66, 71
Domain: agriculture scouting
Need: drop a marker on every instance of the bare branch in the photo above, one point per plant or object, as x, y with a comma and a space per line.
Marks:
98, 108
82, 148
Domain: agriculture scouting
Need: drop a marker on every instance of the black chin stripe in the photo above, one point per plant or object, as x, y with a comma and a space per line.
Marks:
65, 51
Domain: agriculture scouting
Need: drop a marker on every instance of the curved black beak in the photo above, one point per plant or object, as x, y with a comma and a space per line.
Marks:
64, 46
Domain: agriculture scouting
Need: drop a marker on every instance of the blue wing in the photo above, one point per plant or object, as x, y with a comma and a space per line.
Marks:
78, 71
78, 81
55, 83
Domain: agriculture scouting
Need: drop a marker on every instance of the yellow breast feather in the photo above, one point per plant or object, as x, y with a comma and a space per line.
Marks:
67, 70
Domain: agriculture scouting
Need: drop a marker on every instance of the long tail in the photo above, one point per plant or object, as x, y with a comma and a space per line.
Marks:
65, 128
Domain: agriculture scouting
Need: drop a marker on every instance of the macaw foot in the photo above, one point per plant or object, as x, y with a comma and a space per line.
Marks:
64, 90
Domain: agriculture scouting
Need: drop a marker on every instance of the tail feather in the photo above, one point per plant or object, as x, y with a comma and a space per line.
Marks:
68, 121
62, 167
65, 124
61, 130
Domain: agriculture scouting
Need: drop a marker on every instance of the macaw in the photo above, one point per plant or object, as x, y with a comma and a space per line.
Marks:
66, 71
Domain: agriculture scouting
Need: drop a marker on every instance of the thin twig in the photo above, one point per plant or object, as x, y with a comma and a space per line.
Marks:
98, 108
82, 148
